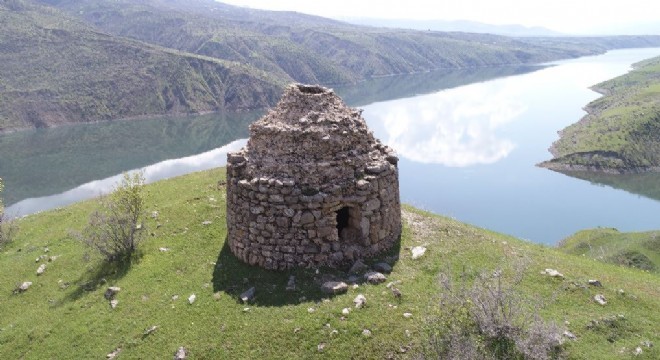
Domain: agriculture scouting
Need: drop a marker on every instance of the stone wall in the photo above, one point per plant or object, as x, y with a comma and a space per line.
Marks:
312, 187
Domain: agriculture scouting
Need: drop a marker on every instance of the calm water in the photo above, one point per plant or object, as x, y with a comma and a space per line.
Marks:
468, 142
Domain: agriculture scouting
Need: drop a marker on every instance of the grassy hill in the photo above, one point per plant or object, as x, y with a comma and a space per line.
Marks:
639, 250
55, 69
621, 132
65, 315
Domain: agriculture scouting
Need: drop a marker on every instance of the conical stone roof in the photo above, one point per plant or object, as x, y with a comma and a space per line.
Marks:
309, 130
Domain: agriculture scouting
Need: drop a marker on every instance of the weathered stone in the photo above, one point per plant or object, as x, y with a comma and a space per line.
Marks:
111, 292
554, 273
311, 172
383, 267
23, 287
595, 283
599, 298
114, 303
334, 287
360, 301
417, 252
192, 298
180, 354
41, 269
358, 267
374, 277
248, 295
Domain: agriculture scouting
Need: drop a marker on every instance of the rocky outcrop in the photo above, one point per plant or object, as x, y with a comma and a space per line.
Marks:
312, 187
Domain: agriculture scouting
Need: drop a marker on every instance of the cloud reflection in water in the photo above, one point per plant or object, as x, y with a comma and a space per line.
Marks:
456, 127
162, 170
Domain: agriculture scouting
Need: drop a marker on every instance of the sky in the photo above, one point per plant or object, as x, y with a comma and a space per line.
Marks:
567, 16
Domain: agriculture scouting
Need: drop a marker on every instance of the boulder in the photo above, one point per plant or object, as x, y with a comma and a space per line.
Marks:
417, 252
374, 277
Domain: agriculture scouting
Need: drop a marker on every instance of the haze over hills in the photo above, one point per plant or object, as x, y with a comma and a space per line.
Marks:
67, 61
456, 25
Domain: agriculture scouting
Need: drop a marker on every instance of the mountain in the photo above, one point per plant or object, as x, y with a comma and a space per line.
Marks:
55, 69
456, 25
66, 61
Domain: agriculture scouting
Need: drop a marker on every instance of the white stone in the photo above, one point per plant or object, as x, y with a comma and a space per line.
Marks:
360, 301
374, 277
192, 298
41, 269
407, 315
417, 252
554, 273
180, 354
345, 311
599, 298
114, 303
366, 333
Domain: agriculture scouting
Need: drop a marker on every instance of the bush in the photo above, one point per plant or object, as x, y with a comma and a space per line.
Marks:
115, 228
489, 320
7, 228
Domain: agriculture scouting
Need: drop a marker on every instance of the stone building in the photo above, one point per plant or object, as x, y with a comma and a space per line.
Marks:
312, 187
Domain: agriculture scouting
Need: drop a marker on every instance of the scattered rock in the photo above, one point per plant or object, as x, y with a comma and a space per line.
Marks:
248, 295
111, 292
296, 330
320, 347
192, 298
150, 330
622, 292
163, 249
407, 315
392, 283
52, 258
595, 283
291, 284
154, 214
358, 267
207, 222
311, 310
247, 309
114, 303
180, 354
360, 301
345, 311
599, 298
569, 335
417, 252
334, 332
374, 277
553, 273
383, 267
113, 354
638, 351
396, 292
175, 297
23, 287
41, 269
647, 343
366, 333
334, 287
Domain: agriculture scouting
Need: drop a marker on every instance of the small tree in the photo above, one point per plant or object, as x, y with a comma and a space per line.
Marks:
115, 228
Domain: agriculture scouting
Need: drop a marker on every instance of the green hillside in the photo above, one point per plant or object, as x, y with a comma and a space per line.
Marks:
64, 314
639, 250
621, 132
55, 69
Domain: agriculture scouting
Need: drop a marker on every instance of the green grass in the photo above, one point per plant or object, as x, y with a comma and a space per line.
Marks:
640, 249
64, 314
621, 131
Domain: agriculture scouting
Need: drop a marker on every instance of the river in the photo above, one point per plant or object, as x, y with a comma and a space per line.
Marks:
468, 141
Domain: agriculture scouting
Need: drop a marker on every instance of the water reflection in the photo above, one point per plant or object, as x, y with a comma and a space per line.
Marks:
454, 128
646, 184
43, 162
162, 170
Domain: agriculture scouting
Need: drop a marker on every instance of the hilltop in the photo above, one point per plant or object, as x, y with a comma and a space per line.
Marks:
621, 131
64, 313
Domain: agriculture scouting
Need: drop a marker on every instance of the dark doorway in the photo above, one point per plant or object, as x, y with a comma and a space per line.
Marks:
343, 217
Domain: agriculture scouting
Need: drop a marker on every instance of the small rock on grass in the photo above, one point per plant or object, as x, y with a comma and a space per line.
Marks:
417, 252
192, 298
248, 295
407, 315
569, 335
113, 354
111, 292
207, 222
320, 347
360, 301
345, 311
23, 287
41, 269
366, 333
114, 303
553, 273
595, 283
334, 287
374, 277
599, 298
180, 354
